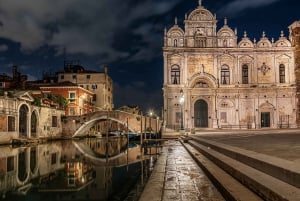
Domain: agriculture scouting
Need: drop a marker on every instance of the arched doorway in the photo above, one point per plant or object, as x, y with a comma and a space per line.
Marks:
201, 114
23, 121
33, 124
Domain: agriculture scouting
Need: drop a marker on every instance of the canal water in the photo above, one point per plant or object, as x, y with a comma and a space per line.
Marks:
99, 169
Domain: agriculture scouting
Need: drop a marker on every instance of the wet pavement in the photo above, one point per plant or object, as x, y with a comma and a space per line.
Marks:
177, 177
283, 144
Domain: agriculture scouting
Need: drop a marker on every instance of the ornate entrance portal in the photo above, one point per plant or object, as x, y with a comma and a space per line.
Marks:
201, 114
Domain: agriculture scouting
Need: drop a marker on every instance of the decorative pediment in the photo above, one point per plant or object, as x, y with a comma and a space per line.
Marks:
200, 14
246, 58
226, 32
282, 41
246, 44
226, 104
283, 57
202, 77
226, 59
22, 95
175, 31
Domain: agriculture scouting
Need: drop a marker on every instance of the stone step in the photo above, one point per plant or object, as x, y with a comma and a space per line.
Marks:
266, 186
229, 187
287, 171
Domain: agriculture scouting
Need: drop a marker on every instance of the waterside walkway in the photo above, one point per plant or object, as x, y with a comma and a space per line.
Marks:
244, 165
177, 177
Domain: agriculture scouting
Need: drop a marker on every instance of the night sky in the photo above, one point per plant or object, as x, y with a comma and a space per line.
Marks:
125, 35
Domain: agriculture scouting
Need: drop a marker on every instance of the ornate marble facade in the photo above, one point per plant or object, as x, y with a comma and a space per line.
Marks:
224, 82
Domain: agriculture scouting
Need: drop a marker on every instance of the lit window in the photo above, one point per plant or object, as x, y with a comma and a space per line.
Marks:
72, 97
225, 75
175, 74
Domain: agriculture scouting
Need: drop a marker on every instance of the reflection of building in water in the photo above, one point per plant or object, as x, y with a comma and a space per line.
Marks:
69, 170
18, 166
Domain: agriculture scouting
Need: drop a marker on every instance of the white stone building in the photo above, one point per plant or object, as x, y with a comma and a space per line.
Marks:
214, 80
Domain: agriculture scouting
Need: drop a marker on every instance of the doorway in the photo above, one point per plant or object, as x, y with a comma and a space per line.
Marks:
201, 114
23, 121
265, 119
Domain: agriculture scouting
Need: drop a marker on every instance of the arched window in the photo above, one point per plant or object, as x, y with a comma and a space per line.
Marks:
245, 74
281, 73
175, 74
225, 75
225, 43
175, 42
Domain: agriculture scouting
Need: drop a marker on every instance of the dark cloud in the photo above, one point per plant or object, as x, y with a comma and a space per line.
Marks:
236, 7
3, 48
81, 27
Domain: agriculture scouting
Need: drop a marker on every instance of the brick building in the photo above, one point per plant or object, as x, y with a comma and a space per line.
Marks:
99, 83
80, 100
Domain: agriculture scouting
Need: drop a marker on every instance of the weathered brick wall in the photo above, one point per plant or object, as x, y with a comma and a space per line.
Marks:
295, 33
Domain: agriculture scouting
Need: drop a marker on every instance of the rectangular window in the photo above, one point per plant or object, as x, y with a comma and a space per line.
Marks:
87, 87
11, 124
225, 77
71, 111
88, 77
62, 77
175, 74
53, 159
74, 77
72, 97
1, 84
282, 73
54, 121
10, 163
223, 117
94, 97
245, 74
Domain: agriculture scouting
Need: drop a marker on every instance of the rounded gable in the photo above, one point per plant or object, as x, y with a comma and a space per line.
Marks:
200, 14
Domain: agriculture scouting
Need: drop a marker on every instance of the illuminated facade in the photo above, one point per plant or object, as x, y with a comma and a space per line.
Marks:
224, 82
99, 83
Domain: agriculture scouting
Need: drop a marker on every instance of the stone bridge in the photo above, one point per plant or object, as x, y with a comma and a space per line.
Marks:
77, 126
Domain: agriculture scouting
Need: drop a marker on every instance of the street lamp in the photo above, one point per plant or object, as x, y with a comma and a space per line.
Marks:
150, 128
181, 101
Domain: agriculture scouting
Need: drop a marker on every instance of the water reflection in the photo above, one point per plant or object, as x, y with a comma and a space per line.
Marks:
89, 169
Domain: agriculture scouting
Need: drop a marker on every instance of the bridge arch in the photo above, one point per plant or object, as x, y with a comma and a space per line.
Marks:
87, 125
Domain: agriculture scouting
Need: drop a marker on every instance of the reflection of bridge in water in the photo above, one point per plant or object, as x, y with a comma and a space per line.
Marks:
114, 152
102, 121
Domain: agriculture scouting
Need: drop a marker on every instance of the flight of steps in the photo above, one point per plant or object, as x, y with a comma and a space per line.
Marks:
245, 175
